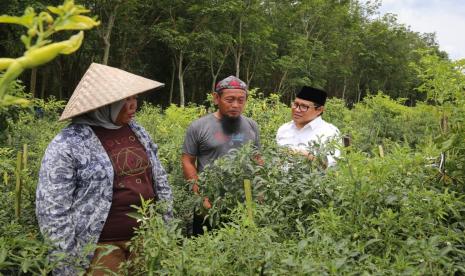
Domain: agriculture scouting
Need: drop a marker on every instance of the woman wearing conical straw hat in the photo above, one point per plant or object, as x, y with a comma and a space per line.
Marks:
95, 169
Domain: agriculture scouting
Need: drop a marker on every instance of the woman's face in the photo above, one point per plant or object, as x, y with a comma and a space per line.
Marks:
128, 111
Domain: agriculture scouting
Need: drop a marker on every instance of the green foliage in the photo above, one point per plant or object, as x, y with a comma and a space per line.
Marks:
379, 120
269, 113
39, 47
390, 206
24, 255
444, 84
21, 247
8, 114
335, 227
168, 129
277, 46
443, 81
372, 213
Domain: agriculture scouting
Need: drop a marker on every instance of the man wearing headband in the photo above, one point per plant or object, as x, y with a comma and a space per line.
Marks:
215, 134
307, 128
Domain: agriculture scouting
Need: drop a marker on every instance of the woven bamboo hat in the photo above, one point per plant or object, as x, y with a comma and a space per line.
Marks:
102, 85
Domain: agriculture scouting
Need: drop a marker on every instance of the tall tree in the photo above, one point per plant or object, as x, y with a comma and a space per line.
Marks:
179, 28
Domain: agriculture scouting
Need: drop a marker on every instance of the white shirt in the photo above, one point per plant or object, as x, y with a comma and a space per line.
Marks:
317, 131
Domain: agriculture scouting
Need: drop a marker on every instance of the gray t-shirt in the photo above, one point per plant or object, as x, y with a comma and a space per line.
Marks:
207, 140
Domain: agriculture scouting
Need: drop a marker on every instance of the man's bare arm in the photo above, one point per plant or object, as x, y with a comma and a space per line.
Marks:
190, 173
188, 166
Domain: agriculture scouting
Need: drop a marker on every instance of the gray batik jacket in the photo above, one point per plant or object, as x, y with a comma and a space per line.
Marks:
75, 189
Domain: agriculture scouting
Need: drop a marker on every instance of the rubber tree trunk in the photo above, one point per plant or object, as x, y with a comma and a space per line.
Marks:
238, 52
33, 82
173, 75
181, 79
107, 34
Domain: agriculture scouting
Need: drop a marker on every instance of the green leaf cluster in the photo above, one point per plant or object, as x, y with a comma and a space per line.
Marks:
39, 47
398, 212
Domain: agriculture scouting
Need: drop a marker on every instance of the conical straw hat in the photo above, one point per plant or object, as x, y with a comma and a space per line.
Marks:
102, 85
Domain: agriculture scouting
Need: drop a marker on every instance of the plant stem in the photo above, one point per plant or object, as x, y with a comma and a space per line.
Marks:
248, 199
5, 178
18, 186
381, 151
24, 167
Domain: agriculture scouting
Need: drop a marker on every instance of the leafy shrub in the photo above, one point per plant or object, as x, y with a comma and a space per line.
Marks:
11, 113
23, 250
379, 120
372, 213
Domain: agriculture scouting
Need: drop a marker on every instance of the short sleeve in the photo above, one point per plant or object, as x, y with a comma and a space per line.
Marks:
257, 135
279, 136
190, 145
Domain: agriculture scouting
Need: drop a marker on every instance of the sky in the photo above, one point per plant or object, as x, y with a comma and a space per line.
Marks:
446, 18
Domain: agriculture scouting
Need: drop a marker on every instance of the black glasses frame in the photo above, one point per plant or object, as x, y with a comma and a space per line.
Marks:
302, 107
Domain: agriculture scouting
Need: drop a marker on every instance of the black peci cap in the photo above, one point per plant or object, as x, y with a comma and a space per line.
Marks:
315, 95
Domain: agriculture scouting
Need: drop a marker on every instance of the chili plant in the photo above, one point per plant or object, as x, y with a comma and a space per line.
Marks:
39, 47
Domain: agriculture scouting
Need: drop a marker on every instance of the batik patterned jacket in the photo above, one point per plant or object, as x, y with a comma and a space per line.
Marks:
75, 189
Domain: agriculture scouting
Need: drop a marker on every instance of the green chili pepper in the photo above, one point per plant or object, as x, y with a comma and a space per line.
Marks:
39, 56
41, 51
5, 62
14, 70
73, 43
78, 22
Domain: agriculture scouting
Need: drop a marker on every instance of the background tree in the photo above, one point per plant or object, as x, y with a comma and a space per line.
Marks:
341, 46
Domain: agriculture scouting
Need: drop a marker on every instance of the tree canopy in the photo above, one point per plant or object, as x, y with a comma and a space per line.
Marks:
277, 46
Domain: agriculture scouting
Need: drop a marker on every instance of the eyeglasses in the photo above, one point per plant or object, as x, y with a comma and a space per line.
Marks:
303, 107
